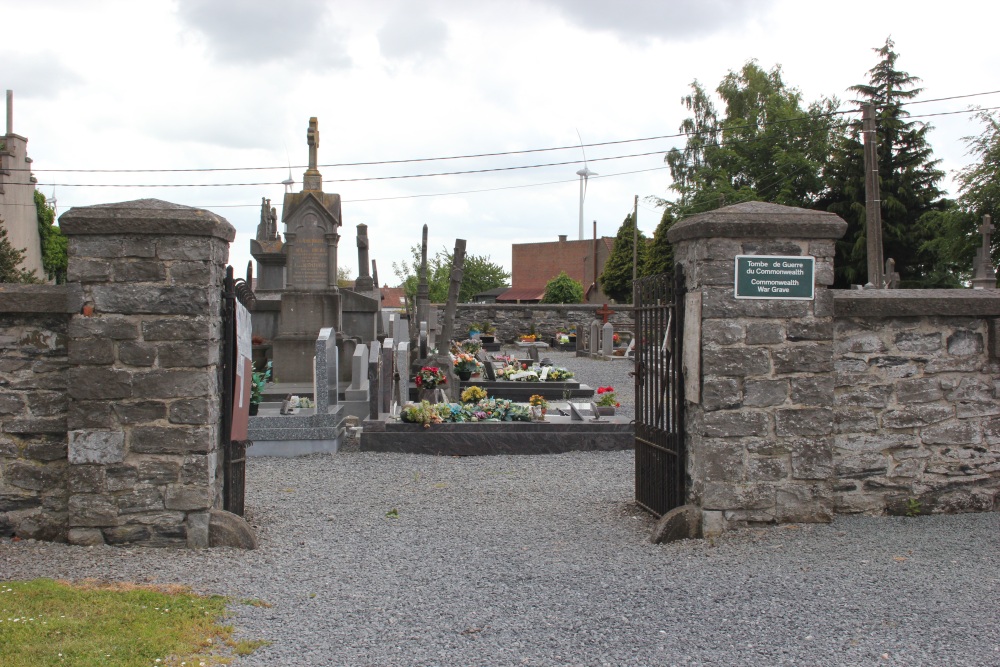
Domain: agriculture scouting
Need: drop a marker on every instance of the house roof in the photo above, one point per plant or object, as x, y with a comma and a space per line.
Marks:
522, 294
393, 297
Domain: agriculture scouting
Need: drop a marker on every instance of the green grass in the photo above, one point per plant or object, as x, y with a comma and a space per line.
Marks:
45, 622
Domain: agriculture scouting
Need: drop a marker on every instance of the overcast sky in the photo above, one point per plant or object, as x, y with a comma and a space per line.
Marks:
194, 84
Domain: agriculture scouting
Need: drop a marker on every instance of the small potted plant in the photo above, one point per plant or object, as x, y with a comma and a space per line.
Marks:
538, 406
465, 365
489, 331
258, 379
607, 401
429, 380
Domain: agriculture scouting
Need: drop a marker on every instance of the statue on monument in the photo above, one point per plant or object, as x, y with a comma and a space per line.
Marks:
265, 219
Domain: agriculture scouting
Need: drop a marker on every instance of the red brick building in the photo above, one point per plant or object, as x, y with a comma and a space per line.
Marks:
533, 265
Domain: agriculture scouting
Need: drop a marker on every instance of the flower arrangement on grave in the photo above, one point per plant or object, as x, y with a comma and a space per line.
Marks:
615, 338
423, 413
562, 338
557, 374
430, 377
537, 401
473, 394
465, 363
258, 380
606, 398
514, 368
528, 338
470, 346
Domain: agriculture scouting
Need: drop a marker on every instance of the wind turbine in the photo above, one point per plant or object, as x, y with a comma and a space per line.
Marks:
584, 174
288, 182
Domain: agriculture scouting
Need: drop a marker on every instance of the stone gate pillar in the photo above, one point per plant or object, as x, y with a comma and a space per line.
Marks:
760, 423
144, 393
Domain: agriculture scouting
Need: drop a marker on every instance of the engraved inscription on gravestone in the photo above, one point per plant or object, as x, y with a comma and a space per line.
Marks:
310, 249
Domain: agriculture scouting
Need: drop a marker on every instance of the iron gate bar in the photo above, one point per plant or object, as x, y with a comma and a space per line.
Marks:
660, 457
234, 451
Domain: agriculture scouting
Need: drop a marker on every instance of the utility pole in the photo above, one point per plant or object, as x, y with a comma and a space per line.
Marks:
873, 201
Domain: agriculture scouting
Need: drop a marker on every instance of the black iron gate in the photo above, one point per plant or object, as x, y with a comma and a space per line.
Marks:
234, 451
660, 460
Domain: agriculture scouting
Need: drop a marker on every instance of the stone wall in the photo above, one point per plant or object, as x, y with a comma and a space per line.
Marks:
513, 320
33, 405
916, 417
880, 401
110, 406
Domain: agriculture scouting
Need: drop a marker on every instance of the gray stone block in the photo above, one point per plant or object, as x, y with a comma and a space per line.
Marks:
158, 472
34, 476
134, 353
87, 446
970, 389
917, 415
190, 273
85, 479
198, 530
919, 390
803, 421
99, 383
47, 403
869, 396
763, 393
726, 496
174, 384
721, 394
32, 426
121, 477
815, 390
736, 362
721, 332
115, 327
915, 341
171, 440
726, 424
854, 420
138, 271
11, 404
720, 461
799, 330
150, 299
965, 343
179, 328
143, 499
765, 333
680, 523
766, 469
81, 270
85, 537
803, 358
138, 246
181, 497
141, 412
92, 510
951, 433
194, 411
46, 449
812, 458
188, 354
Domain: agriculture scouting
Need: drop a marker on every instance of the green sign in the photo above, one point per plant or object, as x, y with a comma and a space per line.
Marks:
762, 277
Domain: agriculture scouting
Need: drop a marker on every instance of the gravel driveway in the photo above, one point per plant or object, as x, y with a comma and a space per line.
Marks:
389, 559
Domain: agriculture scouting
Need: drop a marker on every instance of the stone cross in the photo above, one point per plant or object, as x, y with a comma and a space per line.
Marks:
364, 282
423, 290
604, 313
312, 180
263, 228
984, 276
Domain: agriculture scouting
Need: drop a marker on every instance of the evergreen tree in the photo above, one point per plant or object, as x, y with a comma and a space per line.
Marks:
616, 280
766, 146
908, 177
660, 252
10, 260
54, 259
563, 289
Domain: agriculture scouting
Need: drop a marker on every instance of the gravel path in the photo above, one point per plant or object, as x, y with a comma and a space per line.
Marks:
370, 559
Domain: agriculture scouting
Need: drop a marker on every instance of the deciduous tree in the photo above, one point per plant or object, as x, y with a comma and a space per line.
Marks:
563, 289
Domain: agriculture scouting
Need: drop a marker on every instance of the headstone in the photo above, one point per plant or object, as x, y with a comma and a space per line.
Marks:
403, 372
607, 339
984, 275
364, 282
385, 381
388, 322
423, 289
594, 340
433, 328
488, 369
423, 340
358, 390
326, 371
533, 353
374, 380
400, 330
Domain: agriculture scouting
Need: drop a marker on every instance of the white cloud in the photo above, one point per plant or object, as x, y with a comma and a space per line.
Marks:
39, 75
414, 34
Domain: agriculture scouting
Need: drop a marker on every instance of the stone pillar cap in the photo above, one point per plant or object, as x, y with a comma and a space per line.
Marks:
759, 220
145, 216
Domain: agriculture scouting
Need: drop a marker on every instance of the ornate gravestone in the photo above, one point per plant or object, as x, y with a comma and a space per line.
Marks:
363, 283
266, 248
984, 275
311, 299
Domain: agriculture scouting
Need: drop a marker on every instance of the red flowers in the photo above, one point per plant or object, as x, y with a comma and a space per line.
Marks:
604, 390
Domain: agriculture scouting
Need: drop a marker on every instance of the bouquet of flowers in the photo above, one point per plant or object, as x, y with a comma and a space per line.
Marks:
465, 363
557, 374
473, 394
528, 338
615, 338
472, 346
430, 377
537, 401
607, 398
